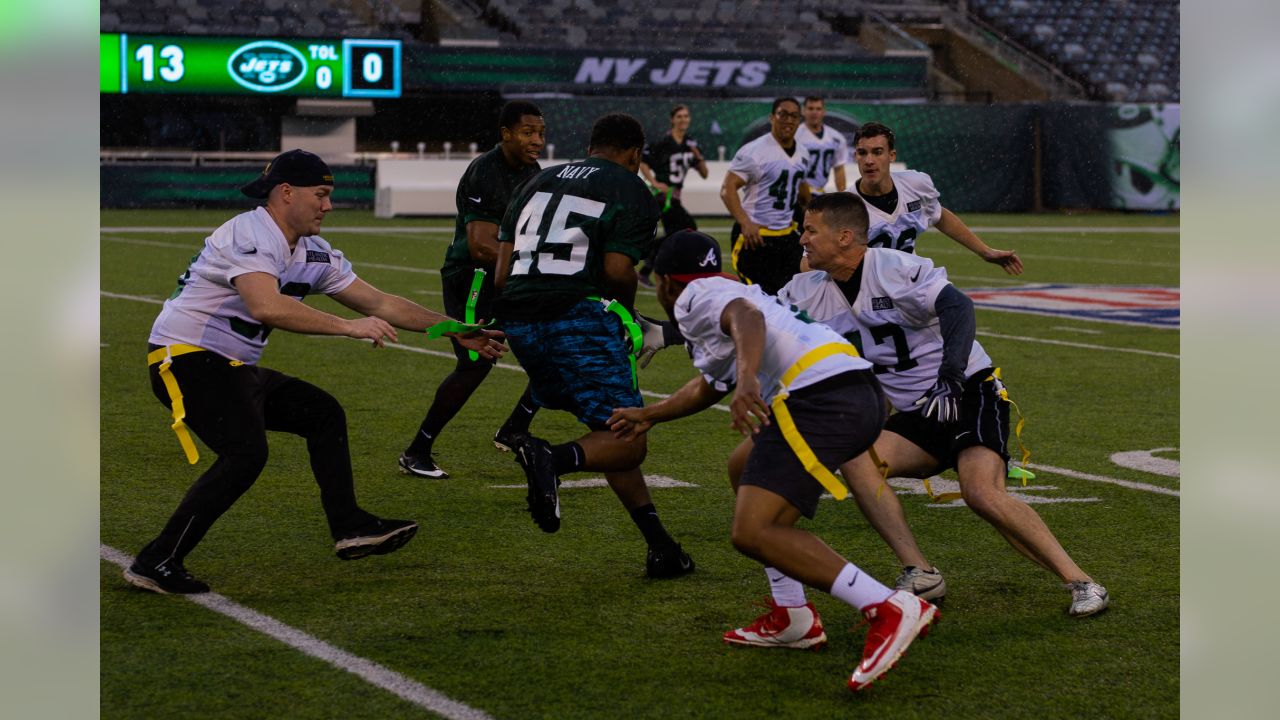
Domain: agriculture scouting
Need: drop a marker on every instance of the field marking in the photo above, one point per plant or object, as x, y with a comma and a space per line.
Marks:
1086, 346
442, 230
647, 393
1104, 479
1086, 331
653, 481
1146, 461
368, 670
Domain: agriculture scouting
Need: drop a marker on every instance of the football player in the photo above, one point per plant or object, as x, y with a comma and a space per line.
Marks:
771, 170
828, 147
952, 409
902, 205
664, 165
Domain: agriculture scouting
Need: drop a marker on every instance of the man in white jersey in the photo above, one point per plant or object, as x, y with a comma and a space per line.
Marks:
808, 401
248, 280
903, 205
771, 170
828, 148
952, 408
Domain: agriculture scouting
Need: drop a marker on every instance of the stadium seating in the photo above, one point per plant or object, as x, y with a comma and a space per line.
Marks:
1123, 50
290, 18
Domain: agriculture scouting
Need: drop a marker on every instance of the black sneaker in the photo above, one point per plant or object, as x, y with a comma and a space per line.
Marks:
376, 537
421, 466
167, 577
534, 455
667, 562
507, 440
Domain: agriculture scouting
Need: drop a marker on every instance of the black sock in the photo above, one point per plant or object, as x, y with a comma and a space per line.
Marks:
567, 458
646, 518
522, 414
421, 445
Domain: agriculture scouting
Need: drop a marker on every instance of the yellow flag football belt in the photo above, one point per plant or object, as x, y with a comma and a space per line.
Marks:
740, 242
165, 356
787, 425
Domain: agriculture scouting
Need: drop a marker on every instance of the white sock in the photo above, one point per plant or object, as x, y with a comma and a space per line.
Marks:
787, 591
858, 588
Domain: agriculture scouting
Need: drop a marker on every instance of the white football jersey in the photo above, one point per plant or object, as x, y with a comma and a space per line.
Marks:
773, 180
894, 316
825, 153
787, 337
206, 310
918, 209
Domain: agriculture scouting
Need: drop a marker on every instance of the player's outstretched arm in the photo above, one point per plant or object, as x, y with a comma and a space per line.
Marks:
409, 315
261, 294
694, 397
953, 227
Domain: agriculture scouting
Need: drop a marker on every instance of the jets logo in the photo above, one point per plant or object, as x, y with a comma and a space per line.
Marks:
267, 66
710, 260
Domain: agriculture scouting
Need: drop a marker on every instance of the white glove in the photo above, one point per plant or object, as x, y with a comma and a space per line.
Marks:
652, 340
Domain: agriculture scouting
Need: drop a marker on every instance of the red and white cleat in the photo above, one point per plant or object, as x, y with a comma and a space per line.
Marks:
785, 627
895, 623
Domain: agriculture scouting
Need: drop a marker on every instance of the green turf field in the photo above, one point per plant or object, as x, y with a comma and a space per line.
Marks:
487, 610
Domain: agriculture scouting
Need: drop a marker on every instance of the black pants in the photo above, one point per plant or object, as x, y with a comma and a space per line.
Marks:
771, 265
231, 408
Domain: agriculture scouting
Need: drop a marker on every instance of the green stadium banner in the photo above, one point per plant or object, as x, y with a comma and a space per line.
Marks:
146, 185
1121, 157
430, 68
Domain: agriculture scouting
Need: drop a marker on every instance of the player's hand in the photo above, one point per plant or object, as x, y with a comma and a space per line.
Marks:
746, 403
697, 154
371, 328
1007, 259
942, 402
751, 234
654, 340
628, 423
487, 343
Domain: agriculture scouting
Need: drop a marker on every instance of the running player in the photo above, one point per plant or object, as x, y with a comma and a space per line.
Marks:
664, 166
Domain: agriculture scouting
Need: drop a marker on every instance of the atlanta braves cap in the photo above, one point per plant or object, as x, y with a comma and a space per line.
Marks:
688, 255
296, 167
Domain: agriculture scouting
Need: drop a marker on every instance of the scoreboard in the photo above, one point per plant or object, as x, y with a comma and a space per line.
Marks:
353, 68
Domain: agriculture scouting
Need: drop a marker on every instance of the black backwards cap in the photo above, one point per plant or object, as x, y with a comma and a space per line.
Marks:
689, 255
296, 167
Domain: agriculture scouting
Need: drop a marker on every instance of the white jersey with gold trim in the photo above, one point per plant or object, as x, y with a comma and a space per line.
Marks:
773, 180
827, 151
787, 337
206, 310
918, 209
893, 316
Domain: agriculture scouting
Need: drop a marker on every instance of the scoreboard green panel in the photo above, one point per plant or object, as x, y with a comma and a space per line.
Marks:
354, 68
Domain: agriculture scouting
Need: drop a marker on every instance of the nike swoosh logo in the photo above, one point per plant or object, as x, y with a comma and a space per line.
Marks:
777, 579
249, 252
913, 277
474, 199
855, 578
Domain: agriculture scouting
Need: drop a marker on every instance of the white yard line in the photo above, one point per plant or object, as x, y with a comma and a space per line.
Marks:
367, 670
1086, 346
1065, 472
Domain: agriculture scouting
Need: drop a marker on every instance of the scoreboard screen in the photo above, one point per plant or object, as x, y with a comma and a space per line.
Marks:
353, 68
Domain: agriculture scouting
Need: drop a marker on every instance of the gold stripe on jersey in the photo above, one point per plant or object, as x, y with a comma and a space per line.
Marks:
788, 427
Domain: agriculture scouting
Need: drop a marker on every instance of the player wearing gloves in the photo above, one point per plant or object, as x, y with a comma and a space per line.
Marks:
567, 249
952, 409
810, 403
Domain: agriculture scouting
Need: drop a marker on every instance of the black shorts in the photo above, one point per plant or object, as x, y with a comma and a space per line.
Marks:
771, 265
984, 421
838, 418
676, 218
456, 287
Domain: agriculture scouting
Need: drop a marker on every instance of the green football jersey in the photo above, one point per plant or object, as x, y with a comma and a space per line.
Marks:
483, 193
562, 223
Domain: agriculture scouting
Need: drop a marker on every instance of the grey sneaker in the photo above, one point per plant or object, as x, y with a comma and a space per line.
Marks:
924, 584
1087, 598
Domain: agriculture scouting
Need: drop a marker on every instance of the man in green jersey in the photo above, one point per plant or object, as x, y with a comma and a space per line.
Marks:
483, 193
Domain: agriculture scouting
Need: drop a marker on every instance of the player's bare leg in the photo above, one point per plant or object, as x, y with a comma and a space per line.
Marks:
879, 503
982, 484
762, 530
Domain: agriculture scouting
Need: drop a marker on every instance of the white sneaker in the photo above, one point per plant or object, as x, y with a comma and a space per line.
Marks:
785, 627
1087, 598
925, 584
895, 623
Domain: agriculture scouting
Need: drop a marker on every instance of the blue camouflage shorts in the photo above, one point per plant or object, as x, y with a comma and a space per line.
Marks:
576, 362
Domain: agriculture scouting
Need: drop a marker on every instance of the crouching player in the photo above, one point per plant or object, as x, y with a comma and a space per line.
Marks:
810, 403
